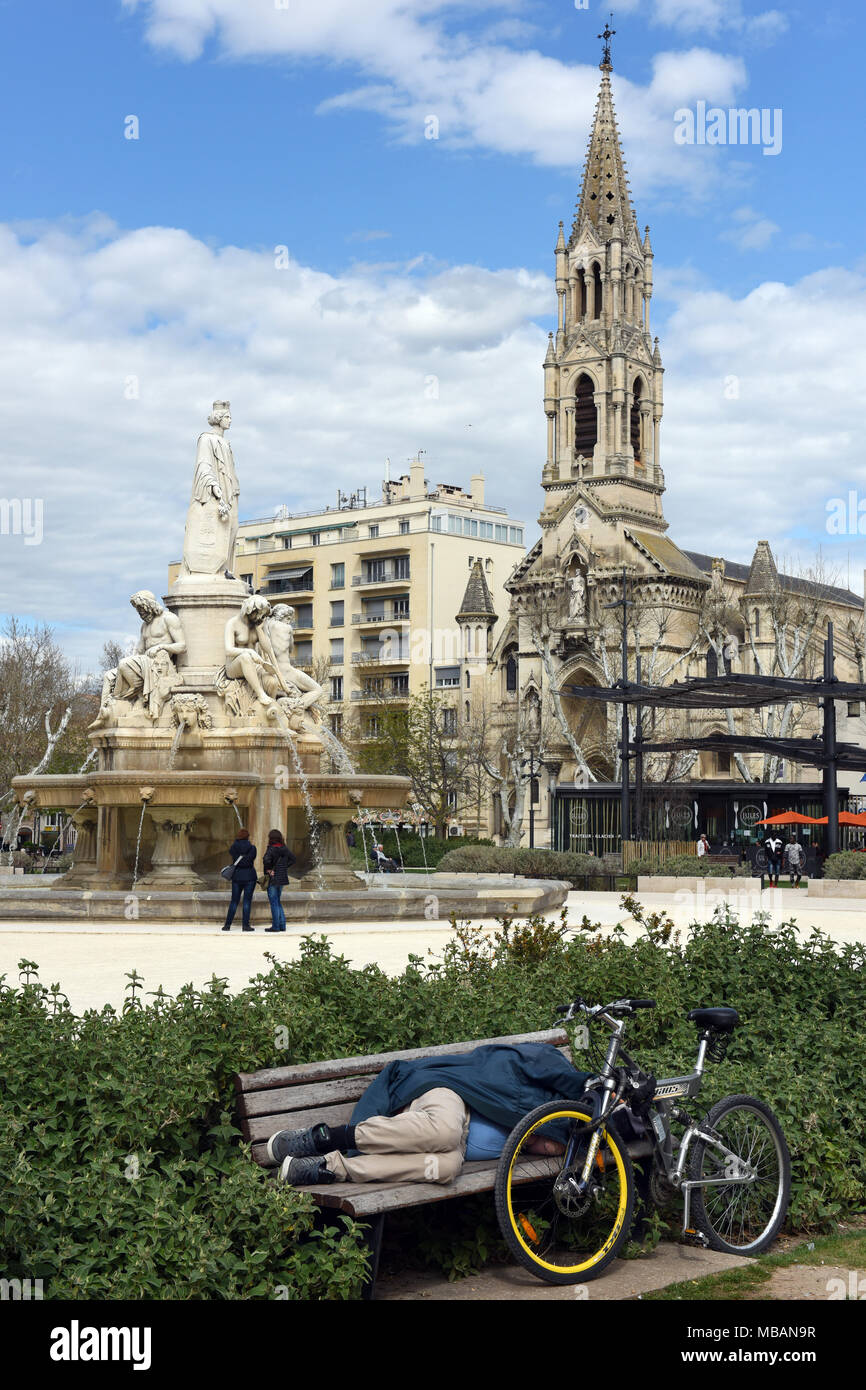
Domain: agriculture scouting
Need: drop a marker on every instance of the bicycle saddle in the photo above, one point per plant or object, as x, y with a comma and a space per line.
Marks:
723, 1019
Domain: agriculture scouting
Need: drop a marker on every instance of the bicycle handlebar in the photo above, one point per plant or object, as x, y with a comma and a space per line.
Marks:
592, 1011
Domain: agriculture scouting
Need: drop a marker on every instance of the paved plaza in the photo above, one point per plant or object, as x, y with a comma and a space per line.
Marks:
91, 962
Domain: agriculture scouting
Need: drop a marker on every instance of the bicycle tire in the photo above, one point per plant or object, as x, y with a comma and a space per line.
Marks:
536, 1174
720, 1207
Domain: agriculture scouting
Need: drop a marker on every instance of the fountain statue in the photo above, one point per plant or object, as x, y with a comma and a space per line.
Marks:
207, 724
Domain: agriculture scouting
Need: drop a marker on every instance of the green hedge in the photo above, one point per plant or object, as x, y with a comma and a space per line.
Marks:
123, 1175
687, 866
532, 863
847, 864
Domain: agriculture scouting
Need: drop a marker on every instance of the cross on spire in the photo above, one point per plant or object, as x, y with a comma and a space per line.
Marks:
607, 36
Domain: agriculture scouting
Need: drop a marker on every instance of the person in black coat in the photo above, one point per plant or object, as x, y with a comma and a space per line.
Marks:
243, 878
277, 861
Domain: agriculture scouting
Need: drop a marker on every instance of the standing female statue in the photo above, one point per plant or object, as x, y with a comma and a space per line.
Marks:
212, 519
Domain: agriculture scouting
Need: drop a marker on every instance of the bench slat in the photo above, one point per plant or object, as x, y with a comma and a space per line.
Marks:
273, 1077
261, 1127
370, 1199
284, 1099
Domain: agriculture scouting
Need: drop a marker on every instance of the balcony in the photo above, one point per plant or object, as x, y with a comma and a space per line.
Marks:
388, 574
296, 581
380, 658
379, 620
372, 697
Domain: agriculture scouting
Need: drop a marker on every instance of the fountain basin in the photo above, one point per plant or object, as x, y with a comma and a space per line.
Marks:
178, 825
460, 896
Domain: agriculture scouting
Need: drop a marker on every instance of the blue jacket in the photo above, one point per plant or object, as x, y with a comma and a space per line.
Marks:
499, 1081
245, 871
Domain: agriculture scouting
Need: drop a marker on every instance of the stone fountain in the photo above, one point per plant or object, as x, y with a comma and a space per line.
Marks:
209, 725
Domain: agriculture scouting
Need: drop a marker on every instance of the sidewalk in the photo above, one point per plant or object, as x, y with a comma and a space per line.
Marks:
90, 961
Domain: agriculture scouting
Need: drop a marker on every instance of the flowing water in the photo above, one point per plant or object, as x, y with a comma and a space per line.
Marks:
138, 843
310, 814
179, 733
361, 824
61, 832
234, 806
338, 753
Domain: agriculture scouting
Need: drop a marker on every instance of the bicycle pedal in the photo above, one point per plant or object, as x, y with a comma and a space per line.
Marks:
693, 1237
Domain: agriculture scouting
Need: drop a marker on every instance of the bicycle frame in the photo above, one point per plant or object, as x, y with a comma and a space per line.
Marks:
608, 1098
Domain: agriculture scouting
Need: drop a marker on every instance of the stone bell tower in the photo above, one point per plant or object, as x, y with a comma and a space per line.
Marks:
603, 371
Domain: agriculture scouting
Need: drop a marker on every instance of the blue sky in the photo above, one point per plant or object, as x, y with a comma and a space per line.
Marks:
152, 259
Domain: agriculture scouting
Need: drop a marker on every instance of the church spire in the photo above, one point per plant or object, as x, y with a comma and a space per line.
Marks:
605, 194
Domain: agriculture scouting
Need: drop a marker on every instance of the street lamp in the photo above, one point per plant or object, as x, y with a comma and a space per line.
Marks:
535, 765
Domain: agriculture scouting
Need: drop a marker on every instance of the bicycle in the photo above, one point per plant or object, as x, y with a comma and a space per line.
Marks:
567, 1212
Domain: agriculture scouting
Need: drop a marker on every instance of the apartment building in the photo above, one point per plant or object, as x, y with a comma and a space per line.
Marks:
377, 586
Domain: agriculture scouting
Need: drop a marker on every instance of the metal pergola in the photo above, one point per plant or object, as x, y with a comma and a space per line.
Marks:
736, 691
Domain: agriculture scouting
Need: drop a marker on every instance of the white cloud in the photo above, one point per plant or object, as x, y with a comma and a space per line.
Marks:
482, 90
762, 406
751, 231
327, 375
330, 373
712, 17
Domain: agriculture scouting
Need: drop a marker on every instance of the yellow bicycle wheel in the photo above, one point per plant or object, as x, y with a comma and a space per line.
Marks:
559, 1230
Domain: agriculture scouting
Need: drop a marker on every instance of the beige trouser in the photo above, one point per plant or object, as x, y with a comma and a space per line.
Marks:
425, 1143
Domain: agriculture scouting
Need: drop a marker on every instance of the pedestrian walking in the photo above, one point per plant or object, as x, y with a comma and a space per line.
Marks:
795, 859
773, 849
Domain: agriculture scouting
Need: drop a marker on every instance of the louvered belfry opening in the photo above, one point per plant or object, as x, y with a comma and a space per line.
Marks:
585, 417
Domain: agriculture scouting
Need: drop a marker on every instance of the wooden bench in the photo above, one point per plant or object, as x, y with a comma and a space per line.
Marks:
296, 1097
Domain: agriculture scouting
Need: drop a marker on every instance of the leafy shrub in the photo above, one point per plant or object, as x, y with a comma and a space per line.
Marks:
530, 863
847, 864
123, 1174
687, 866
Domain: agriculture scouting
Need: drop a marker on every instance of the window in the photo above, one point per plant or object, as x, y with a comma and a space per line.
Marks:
853, 709
336, 687
374, 685
452, 806
375, 571
447, 676
501, 533
467, 711
401, 607
511, 674
712, 664
247, 579
336, 649
401, 567
336, 721
371, 727
449, 721
338, 576
404, 528
287, 542
435, 521
515, 535
400, 685
315, 537
455, 524
468, 678
372, 532
337, 609
304, 653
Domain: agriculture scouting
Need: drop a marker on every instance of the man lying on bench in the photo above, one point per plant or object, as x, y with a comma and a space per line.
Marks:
419, 1121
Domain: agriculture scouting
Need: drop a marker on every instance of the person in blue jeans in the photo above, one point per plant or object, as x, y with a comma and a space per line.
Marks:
277, 861
243, 878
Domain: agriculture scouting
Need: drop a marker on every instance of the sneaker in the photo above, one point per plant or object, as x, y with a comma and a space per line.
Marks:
248, 929
306, 1172
298, 1143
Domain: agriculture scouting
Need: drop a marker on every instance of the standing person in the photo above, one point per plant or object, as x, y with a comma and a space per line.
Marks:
795, 858
243, 878
277, 861
703, 846
773, 847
